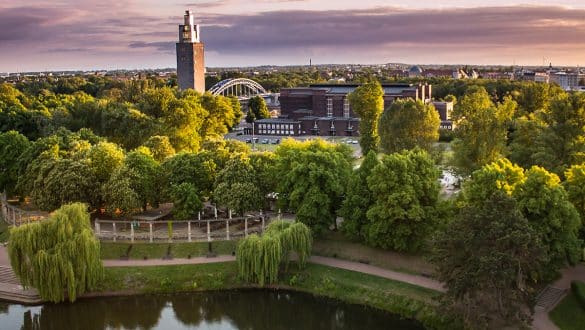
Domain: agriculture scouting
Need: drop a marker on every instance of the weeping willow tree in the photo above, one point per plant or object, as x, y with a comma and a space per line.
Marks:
58, 255
259, 258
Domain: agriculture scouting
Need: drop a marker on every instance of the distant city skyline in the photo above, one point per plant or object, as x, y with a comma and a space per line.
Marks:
44, 35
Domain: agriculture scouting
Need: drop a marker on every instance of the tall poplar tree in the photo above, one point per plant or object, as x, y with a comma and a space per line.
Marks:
367, 101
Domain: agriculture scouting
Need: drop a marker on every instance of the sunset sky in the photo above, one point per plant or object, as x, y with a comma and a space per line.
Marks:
39, 35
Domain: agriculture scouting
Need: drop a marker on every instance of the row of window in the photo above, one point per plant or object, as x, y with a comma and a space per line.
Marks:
345, 107
276, 126
276, 132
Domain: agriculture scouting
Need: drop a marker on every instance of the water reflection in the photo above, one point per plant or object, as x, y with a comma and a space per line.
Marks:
226, 310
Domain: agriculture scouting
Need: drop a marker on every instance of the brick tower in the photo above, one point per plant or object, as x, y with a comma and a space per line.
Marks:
190, 56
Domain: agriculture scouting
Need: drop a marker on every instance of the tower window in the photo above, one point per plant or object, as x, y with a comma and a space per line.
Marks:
329, 107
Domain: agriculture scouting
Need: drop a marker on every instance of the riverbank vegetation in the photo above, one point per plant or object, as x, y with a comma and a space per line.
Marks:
404, 299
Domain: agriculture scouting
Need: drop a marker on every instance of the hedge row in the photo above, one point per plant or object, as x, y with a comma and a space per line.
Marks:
578, 289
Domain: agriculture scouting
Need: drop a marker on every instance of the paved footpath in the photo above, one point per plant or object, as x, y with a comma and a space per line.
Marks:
541, 320
332, 262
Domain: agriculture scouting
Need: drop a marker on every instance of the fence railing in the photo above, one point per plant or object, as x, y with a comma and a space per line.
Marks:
174, 230
15, 216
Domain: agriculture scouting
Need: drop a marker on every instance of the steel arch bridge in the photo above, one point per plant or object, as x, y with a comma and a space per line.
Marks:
240, 87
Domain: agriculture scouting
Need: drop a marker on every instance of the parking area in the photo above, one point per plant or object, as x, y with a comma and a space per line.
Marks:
270, 142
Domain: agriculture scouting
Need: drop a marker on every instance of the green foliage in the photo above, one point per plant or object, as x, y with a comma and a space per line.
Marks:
312, 179
186, 201
235, 187
575, 187
358, 199
407, 124
257, 109
578, 289
259, 258
367, 101
160, 147
198, 169
545, 203
500, 175
487, 258
119, 197
481, 131
405, 190
561, 143
12, 145
542, 200
144, 173
264, 166
58, 254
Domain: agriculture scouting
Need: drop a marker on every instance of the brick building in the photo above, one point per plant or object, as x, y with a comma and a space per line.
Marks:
324, 109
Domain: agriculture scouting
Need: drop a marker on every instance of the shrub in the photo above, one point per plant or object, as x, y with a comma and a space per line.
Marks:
578, 289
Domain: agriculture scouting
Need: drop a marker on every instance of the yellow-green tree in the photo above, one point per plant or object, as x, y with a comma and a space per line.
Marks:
367, 101
408, 124
482, 129
60, 257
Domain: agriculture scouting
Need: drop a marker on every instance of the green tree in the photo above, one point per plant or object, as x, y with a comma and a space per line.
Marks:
12, 145
145, 175
186, 201
545, 203
104, 159
312, 176
198, 169
575, 187
57, 254
407, 124
160, 146
119, 196
542, 201
367, 101
264, 165
235, 187
486, 258
405, 189
523, 148
561, 143
481, 131
257, 109
259, 258
358, 199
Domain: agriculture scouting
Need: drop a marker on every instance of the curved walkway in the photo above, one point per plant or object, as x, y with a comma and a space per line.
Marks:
331, 262
541, 320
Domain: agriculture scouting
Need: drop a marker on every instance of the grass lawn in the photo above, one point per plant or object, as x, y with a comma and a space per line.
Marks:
334, 244
110, 250
568, 315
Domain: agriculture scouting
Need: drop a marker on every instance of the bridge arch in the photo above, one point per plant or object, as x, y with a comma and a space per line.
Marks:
240, 87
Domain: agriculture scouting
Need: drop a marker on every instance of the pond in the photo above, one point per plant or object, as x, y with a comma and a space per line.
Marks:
221, 310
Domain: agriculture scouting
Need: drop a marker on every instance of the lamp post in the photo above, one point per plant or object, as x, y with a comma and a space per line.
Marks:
253, 139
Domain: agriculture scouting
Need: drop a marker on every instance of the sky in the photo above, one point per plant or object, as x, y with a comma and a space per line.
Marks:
44, 35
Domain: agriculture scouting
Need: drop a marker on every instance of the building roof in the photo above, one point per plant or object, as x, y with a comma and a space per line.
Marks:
277, 121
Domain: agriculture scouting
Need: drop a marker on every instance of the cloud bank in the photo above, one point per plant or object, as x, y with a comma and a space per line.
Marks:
384, 34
